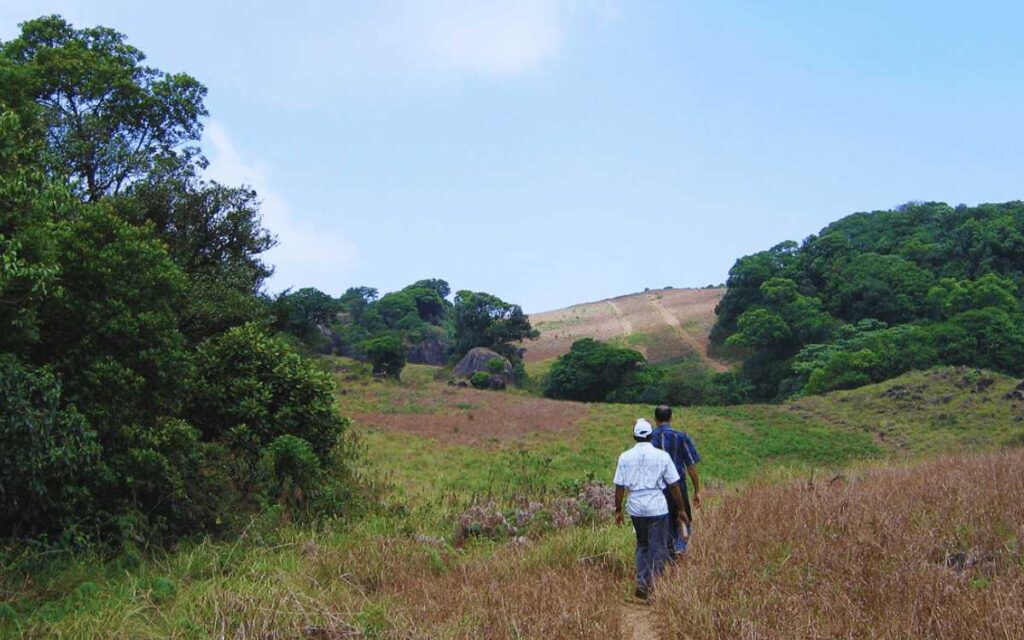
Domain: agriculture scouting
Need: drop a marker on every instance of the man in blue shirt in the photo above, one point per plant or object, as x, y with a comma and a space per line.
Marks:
679, 446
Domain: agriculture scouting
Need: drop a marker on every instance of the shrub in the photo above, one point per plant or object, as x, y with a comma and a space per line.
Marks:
591, 371
46, 450
253, 387
387, 354
480, 380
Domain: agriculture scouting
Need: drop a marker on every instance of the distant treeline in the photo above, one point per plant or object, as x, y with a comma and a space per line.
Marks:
415, 324
876, 294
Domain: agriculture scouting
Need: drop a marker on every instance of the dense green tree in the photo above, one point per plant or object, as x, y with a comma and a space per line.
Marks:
110, 119
387, 354
252, 387
591, 371
29, 203
112, 334
214, 234
47, 452
483, 320
305, 314
944, 282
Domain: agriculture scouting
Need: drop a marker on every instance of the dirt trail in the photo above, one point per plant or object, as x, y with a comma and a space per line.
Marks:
685, 336
638, 622
627, 326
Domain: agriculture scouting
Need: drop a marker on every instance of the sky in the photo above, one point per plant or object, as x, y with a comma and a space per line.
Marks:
553, 152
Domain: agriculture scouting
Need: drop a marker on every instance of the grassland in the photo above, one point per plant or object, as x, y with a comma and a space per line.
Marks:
663, 324
399, 573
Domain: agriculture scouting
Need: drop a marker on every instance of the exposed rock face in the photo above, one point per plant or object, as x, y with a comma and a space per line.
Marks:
332, 343
477, 360
431, 350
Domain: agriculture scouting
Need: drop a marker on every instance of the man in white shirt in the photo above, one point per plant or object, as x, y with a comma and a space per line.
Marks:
646, 472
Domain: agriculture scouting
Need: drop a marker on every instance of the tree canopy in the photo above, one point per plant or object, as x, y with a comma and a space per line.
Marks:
875, 294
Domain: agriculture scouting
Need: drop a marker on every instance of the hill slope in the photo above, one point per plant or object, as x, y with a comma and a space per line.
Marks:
663, 324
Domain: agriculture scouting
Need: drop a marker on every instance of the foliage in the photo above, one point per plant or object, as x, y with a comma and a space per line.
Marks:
139, 387
480, 380
251, 388
47, 450
875, 294
28, 204
591, 371
387, 355
306, 314
483, 320
110, 119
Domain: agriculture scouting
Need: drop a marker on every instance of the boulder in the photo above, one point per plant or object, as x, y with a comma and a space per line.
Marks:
430, 350
478, 359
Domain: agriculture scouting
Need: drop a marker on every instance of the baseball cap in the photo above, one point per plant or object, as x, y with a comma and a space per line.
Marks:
642, 428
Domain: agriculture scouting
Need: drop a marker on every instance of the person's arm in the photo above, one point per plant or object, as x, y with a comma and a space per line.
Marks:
620, 493
691, 470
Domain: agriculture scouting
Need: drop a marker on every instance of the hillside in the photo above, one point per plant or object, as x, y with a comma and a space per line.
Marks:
843, 467
663, 324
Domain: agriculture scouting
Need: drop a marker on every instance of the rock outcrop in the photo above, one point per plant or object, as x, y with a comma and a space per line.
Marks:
479, 359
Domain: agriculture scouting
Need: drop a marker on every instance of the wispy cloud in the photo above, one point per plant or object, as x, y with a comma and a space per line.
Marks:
307, 54
305, 256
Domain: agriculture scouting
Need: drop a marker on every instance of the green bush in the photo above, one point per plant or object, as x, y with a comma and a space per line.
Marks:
47, 451
387, 355
591, 371
480, 380
252, 387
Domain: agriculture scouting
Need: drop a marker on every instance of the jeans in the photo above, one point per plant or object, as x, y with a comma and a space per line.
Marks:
651, 548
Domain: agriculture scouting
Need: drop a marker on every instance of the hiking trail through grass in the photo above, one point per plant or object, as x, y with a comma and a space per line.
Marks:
638, 622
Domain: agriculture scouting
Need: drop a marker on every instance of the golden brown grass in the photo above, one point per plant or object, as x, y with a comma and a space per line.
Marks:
664, 324
934, 551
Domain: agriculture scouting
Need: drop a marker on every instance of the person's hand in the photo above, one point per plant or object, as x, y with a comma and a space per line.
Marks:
696, 499
619, 519
684, 527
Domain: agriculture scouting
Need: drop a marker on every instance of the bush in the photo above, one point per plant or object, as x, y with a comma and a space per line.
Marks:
46, 451
387, 354
252, 388
591, 371
480, 380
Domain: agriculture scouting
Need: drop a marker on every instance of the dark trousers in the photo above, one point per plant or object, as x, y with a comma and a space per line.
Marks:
651, 548
676, 543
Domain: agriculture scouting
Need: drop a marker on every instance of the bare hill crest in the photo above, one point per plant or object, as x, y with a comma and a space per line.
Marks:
663, 324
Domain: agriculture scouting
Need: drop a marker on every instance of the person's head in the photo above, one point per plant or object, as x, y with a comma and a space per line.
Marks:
642, 430
663, 413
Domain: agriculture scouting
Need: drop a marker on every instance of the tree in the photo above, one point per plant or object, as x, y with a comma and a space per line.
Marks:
305, 314
252, 387
214, 234
110, 118
28, 204
591, 371
483, 320
47, 451
112, 334
387, 354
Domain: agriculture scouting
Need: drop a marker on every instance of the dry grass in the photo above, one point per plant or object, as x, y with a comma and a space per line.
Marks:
934, 551
664, 324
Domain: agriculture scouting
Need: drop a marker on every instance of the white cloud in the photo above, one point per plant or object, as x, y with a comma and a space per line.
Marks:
304, 256
492, 38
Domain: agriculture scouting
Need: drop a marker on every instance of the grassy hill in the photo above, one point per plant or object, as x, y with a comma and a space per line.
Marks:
434, 450
664, 324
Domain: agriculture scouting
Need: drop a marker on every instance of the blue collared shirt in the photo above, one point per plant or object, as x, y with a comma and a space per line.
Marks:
677, 444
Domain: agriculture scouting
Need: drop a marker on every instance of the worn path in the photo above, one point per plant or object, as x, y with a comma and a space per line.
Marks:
638, 622
684, 335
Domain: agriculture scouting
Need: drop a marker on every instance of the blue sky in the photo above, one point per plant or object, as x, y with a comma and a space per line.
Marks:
561, 151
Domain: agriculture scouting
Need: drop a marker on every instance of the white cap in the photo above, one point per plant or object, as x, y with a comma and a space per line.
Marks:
642, 428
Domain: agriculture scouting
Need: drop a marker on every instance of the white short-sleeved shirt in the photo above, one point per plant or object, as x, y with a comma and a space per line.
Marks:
645, 471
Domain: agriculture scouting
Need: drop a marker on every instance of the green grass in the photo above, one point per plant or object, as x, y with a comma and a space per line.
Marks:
272, 572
